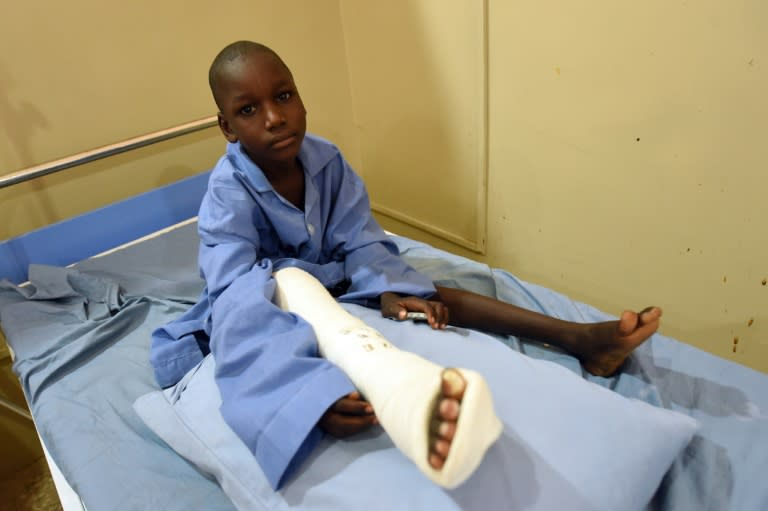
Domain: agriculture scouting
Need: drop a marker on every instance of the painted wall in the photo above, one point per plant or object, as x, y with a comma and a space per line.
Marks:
626, 165
417, 74
99, 72
628, 160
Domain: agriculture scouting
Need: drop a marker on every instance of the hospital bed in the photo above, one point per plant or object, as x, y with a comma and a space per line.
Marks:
80, 338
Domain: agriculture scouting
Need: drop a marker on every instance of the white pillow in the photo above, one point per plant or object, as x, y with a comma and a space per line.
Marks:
567, 443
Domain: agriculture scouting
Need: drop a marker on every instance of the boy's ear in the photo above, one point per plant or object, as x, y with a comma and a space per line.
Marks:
225, 129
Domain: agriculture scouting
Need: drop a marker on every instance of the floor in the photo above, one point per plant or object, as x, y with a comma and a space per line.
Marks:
31, 489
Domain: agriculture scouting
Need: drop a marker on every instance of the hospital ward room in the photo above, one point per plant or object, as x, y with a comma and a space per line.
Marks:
411, 255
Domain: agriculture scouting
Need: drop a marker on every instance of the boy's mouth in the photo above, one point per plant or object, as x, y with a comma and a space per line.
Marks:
283, 142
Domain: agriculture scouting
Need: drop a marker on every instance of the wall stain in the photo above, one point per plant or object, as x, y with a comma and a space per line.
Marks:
751, 320
735, 343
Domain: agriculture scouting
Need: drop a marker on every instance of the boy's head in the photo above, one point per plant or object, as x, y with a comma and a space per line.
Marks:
259, 104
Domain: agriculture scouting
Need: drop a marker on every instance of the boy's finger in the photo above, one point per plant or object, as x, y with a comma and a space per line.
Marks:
429, 310
649, 314
438, 318
345, 425
441, 314
352, 407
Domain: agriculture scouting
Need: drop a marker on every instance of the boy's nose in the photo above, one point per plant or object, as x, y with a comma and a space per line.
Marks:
274, 117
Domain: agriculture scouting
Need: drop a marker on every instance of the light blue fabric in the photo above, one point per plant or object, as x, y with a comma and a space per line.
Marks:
274, 386
81, 357
580, 445
83, 363
718, 469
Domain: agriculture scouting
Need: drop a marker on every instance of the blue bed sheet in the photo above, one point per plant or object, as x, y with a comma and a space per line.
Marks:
85, 360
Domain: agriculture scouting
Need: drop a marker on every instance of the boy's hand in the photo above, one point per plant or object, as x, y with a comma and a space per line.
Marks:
396, 306
348, 416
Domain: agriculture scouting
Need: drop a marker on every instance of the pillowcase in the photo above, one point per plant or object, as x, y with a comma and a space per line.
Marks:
567, 443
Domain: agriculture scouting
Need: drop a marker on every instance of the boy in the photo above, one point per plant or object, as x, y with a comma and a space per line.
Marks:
282, 198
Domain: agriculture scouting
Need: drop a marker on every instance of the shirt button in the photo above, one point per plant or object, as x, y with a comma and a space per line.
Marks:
311, 229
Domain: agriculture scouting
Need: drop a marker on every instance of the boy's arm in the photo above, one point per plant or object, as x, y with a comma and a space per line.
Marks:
273, 384
372, 260
397, 307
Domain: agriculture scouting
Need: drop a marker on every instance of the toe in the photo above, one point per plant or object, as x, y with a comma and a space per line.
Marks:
453, 383
650, 314
627, 322
446, 430
441, 447
449, 409
436, 461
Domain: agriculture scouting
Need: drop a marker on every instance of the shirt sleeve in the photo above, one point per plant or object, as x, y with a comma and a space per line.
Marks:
372, 260
273, 384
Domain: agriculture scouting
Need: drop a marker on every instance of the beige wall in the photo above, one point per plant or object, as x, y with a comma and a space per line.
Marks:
94, 73
626, 165
628, 160
625, 157
417, 74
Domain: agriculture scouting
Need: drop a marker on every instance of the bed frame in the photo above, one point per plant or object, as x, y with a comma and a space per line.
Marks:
130, 218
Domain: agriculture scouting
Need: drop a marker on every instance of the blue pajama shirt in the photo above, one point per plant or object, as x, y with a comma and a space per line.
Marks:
273, 384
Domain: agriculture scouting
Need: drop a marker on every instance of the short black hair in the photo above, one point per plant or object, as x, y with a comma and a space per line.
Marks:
231, 53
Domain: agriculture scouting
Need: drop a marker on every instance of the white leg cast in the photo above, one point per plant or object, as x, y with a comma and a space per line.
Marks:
401, 387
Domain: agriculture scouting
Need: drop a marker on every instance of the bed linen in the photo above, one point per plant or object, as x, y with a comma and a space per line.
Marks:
566, 443
81, 344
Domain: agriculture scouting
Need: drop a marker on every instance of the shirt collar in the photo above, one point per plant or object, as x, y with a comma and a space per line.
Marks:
314, 154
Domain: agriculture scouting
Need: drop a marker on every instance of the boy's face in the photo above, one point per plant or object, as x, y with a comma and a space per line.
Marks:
261, 107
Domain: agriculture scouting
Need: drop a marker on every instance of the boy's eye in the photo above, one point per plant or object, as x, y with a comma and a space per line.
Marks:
247, 110
284, 96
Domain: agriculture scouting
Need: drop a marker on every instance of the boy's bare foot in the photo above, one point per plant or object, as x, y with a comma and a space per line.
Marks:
609, 344
445, 416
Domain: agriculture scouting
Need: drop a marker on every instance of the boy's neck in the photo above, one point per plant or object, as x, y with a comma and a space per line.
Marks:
288, 181
279, 171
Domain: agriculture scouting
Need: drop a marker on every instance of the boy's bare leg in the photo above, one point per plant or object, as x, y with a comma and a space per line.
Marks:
442, 419
604, 349
601, 347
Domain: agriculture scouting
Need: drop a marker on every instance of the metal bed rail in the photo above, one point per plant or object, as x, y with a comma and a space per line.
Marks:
54, 166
